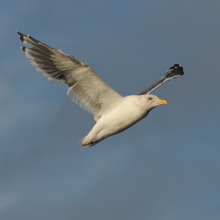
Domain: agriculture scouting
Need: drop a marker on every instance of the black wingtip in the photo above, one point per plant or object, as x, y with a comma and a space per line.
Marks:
178, 67
19, 33
174, 71
23, 48
21, 36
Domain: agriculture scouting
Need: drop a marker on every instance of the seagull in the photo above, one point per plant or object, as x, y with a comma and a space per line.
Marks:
112, 112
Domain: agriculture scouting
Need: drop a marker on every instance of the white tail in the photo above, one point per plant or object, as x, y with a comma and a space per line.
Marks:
87, 146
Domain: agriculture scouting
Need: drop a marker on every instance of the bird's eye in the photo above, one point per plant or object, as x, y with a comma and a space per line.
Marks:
150, 98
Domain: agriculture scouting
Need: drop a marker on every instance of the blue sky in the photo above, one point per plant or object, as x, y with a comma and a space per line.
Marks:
166, 167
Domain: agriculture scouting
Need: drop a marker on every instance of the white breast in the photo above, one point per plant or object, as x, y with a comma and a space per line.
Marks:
125, 115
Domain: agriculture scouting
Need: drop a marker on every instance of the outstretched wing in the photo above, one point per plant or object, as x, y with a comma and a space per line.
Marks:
85, 87
175, 71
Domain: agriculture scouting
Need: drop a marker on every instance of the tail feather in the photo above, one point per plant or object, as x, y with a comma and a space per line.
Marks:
86, 146
80, 143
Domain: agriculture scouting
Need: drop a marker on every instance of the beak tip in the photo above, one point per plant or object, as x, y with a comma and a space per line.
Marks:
162, 102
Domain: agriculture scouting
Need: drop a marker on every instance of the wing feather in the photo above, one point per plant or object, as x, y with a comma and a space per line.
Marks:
175, 71
86, 88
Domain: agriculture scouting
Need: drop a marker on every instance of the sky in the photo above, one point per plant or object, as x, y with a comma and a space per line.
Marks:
165, 167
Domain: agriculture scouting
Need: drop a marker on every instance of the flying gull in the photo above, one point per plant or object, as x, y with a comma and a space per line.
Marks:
112, 112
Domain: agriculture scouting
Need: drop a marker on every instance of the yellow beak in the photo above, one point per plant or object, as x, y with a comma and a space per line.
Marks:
162, 102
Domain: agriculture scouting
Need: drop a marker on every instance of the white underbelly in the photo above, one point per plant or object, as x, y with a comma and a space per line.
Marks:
130, 111
118, 120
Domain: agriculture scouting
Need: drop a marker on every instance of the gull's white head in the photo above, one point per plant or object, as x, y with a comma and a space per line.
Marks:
153, 101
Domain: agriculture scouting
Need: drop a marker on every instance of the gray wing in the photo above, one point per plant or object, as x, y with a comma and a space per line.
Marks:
85, 87
175, 71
